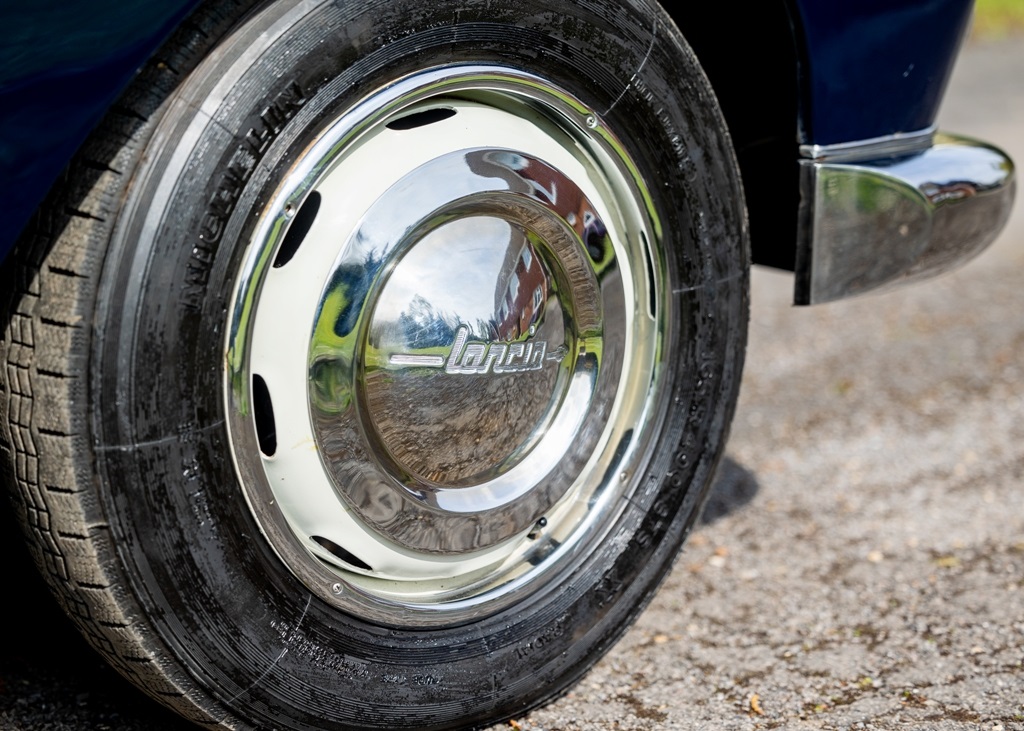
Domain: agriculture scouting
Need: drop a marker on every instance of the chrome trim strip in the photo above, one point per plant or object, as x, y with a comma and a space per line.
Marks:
876, 148
871, 225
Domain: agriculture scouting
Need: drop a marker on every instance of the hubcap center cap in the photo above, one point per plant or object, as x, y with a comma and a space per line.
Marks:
456, 351
462, 360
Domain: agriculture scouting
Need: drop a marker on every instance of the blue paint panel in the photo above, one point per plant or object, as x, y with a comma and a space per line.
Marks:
62, 65
869, 68
875, 67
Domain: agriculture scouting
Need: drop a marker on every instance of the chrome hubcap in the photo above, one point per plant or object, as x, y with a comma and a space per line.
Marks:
444, 347
472, 363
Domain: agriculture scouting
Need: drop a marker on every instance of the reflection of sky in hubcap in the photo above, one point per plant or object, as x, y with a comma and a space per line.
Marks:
474, 247
464, 349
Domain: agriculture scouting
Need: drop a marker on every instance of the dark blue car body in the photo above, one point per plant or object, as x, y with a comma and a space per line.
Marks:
822, 73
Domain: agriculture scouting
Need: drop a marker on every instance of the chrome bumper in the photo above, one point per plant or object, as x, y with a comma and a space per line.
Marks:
888, 211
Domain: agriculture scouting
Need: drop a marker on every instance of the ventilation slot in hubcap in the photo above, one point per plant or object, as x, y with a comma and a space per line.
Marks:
263, 411
298, 229
421, 119
341, 553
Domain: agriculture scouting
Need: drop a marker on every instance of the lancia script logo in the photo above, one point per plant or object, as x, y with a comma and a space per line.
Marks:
474, 356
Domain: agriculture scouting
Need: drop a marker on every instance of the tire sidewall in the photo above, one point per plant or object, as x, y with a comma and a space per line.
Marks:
218, 597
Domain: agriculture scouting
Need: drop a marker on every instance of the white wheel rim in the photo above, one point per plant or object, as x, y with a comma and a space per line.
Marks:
406, 486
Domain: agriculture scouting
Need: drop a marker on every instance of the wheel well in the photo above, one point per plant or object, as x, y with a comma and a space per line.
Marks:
750, 56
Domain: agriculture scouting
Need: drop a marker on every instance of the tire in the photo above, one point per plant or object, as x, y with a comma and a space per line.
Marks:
373, 361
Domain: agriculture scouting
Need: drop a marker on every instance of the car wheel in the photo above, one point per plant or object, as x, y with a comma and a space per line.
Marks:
374, 359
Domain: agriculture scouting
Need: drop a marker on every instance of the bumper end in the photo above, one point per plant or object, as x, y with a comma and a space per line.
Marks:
870, 225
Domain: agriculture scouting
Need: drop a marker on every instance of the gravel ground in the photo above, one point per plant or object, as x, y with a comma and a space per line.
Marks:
861, 564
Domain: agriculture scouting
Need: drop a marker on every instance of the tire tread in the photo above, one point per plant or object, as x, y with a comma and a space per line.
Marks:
49, 285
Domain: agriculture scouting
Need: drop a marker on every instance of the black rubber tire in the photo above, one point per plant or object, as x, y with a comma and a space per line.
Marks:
113, 423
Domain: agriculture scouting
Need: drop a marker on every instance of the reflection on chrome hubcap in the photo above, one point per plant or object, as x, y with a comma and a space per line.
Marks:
470, 429
458, 359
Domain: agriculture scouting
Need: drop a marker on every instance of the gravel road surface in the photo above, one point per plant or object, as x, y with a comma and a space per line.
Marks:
861, 564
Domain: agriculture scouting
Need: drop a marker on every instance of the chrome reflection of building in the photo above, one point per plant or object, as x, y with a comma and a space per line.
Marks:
522, 293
